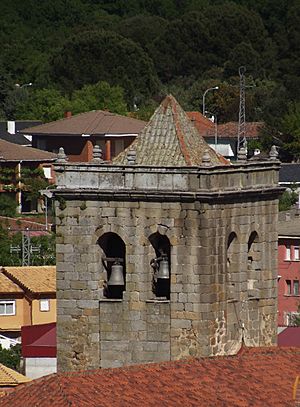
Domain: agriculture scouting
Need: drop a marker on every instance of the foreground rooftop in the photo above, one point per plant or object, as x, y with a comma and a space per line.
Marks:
254, 377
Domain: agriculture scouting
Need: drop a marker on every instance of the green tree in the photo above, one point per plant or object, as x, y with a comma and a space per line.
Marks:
8, 205
6, 241
290, 127
38, 104
11, 357
287, 200
101, 55
183, 49
142, 29
100, 96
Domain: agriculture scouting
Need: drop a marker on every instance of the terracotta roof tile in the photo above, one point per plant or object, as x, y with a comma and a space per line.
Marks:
37, 279
14, 152
202, 123
225, 130
170, 139
261, 377
93, 123
8, 286
9, 377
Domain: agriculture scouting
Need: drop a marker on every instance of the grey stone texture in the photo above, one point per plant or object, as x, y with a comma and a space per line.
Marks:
221, 223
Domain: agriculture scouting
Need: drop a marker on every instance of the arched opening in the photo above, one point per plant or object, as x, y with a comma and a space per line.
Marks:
253, 265
114, 262
161, 265
232, 265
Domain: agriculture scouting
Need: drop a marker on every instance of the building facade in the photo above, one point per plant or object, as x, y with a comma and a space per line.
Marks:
27, 297
169, 252
288, 267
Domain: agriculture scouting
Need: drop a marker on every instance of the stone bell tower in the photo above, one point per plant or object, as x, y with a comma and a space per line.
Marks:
165, 253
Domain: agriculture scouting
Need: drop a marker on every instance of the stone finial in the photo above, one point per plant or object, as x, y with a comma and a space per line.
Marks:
61, 156
131, 156
206, 159
273, 154
97, 154
242, 154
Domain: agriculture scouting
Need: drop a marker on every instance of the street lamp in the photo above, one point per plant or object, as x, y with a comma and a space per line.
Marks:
48, 195
203, 98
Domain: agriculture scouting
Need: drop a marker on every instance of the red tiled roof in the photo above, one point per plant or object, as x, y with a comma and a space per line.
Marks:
202, 123
226, 130
230, 129
95, 122
258, 377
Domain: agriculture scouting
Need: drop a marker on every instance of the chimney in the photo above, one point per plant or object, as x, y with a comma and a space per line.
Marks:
11, 127
68, 114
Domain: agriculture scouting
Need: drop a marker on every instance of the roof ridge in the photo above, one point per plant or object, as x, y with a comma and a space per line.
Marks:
179, 133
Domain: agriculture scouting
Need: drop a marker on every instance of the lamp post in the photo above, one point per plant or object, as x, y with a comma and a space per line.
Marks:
203, 98
48, 195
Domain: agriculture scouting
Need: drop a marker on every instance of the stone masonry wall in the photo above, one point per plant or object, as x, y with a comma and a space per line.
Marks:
217, 299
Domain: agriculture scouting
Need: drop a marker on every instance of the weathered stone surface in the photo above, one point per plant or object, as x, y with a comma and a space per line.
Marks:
221, 226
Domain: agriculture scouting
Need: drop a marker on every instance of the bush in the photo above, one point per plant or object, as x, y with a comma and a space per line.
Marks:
8, 205
11, 357
287, 200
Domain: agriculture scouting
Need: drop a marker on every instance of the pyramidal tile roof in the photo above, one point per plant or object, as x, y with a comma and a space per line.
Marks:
170, 139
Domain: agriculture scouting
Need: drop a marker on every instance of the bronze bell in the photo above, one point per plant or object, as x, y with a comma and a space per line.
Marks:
116, 275
164, 271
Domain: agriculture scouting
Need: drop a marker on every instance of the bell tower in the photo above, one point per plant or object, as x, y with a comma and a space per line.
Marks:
168, 252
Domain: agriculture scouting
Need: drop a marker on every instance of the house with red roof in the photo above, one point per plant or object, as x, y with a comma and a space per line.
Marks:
223, 137
78, 134
18, 163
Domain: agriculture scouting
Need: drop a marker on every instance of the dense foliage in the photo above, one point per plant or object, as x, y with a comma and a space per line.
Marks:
120, 55
11, 357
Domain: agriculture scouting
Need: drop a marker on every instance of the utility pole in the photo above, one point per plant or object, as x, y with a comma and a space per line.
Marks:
241, 139
27, 248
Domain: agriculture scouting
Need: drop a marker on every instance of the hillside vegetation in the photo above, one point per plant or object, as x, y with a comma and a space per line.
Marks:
127, 54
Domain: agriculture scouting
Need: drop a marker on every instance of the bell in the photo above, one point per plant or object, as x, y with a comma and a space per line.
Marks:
116, 275
163, 271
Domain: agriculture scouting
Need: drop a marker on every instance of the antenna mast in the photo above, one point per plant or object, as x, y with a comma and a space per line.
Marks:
241, 142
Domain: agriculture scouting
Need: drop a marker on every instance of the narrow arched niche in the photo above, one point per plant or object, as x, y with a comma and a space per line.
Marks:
114, 254
232, 265
162, 247
254, 265
254, 252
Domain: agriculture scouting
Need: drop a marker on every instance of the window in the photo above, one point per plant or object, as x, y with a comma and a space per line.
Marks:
8, 307
296, 253
288, 289
287, 252
296, 287
44, 305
